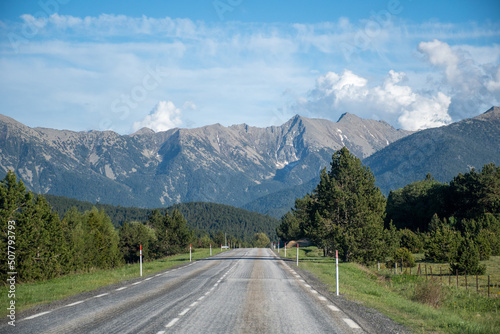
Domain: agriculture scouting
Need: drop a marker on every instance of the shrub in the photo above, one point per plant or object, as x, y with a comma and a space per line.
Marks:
402, 256
429, 292
411, 241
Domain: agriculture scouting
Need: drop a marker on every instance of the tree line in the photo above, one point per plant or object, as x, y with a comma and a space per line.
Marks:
47, 245
206, 219
457, 223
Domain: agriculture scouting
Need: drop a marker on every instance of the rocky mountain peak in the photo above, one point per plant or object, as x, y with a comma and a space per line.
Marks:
491, 114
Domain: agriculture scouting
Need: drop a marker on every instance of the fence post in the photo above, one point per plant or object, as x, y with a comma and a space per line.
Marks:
140, 257
297, 254
337, 269
488, 286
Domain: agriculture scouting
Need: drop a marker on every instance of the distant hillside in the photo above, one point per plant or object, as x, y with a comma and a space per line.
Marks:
207, 217
444, 152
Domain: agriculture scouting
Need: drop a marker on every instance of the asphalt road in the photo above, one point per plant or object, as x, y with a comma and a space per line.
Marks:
239, 291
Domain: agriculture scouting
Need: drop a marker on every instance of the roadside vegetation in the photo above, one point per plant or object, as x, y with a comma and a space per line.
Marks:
437, 230
424, 305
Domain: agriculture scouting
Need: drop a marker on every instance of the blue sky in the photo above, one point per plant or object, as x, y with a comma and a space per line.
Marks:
122, 65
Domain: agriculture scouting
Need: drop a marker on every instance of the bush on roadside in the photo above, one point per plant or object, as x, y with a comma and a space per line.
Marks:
429, 292
402, 256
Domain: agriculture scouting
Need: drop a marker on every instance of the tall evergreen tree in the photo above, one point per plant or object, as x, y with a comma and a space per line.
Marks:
466, 259
347, 210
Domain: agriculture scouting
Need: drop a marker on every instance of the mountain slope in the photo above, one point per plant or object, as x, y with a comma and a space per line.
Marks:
444, 152
232, 165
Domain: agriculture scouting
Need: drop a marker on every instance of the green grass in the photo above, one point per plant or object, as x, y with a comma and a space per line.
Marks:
404, 298
31, 294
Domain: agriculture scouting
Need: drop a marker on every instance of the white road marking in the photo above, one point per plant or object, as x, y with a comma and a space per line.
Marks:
307, 285
193, 304
161, 332
122, 288
314, 291
351, 323
322, 298
101, 295
184, 312
158, 275
201, 298
137, 283
172, 322
36, 315
207, 293
76, 303
333, 308
147, 279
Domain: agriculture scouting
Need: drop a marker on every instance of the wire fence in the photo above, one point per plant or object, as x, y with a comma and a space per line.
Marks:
487, 285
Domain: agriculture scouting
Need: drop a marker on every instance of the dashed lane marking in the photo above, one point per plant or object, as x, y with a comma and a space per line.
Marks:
76, 303
351, 323
184, 312
101, 295
333, 308
172, 322
36, 315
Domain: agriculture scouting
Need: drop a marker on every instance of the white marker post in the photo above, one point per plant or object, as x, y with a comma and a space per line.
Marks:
337, 269
140, 256
189, 252
210, 249
297, 254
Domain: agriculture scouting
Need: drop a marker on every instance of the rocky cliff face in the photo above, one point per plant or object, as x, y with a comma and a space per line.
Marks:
231, 165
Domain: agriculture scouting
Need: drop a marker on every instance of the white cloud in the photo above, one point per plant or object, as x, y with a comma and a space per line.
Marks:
472, 85
441, 54
163, 117
335, 94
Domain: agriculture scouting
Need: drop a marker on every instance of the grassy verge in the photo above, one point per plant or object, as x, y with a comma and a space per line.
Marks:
423, 305
31, 294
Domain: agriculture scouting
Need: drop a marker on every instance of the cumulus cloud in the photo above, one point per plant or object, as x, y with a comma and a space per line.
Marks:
472, 85
163, 117
335, 94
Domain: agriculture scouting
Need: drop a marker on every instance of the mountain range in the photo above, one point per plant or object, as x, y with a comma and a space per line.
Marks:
260, 169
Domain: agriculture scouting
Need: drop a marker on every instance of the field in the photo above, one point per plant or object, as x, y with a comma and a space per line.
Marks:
29, 295
422, 304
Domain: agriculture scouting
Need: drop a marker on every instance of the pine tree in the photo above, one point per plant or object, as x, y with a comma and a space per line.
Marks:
466, 259
443, 241
347, 210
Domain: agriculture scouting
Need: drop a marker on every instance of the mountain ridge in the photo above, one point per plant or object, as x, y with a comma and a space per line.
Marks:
232, 165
